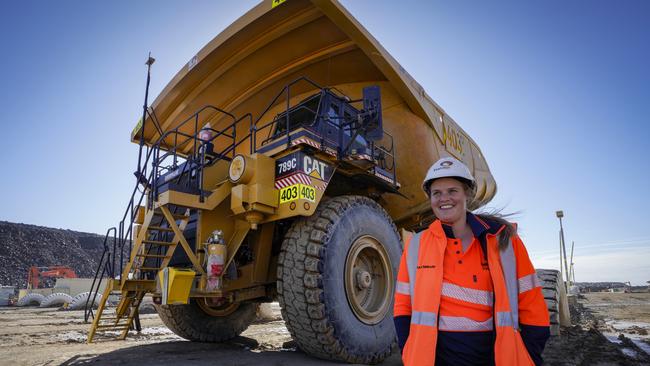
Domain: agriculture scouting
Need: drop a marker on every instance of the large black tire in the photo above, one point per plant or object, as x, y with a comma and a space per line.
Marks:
193, 323
551, 281
311, 281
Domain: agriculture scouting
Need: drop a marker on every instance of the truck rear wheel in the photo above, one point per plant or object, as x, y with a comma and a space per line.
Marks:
199, 322
336, 277
551, 280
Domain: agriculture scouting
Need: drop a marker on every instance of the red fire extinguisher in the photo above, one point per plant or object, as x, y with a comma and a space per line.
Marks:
216, 260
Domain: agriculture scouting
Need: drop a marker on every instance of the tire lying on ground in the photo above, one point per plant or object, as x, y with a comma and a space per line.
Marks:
265, 313
79, 302
32, 299
336, 277
551, 281
56, 299
147, 306
199, 322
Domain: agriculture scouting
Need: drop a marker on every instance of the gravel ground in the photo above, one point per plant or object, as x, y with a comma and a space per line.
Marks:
593, 340
35, 336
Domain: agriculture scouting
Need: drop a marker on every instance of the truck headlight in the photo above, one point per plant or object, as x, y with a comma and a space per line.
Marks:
237, 168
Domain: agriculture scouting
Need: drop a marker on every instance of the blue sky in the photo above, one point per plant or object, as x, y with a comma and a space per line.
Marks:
555, 93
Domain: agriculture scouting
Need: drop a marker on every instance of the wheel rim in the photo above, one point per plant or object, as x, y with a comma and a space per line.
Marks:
222, 310
368, 280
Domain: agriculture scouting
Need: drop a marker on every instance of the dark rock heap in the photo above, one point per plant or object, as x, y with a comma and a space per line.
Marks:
23, 246
599, 286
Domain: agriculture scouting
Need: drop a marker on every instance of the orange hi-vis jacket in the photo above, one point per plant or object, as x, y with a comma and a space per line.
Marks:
517, 298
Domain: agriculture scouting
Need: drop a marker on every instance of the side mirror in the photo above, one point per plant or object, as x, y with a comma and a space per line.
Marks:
372, 121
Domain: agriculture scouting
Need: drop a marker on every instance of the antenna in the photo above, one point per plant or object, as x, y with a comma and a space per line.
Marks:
150, 61
571, 269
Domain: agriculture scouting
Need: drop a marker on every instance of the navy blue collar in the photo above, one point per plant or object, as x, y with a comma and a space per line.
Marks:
478, 226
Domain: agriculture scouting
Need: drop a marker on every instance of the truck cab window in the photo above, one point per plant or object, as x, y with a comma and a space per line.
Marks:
302, 114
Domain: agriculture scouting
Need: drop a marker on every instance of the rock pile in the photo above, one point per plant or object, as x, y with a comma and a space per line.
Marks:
599, 286
585, 344
23, 246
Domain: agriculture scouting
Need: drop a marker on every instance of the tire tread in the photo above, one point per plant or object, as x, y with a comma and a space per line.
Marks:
191, 323
549, 281
300, 277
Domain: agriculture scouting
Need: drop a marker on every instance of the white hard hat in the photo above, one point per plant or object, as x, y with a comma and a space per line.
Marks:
447, 167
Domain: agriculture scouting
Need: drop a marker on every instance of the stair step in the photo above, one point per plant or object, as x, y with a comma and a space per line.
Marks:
176, 216
157, 242
151, 255
114, 326
136, 285
158, 228
148, 269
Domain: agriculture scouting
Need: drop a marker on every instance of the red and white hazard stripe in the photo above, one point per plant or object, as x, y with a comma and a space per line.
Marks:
361, 157
319, 184
298, 178
310, 142
304, 140
387, 179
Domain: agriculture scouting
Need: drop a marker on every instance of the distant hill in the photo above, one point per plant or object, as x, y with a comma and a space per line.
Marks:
22, 246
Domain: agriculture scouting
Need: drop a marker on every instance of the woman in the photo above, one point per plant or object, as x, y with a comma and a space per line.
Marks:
467, 293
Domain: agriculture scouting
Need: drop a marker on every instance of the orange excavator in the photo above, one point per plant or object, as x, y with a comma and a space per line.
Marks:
42, 276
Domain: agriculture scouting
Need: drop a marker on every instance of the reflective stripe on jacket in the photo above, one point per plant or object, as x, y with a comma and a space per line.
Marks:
419, 298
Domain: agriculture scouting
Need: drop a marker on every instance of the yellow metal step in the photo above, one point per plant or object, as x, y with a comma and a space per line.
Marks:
149, 269
156, 242
158, 228
176, 216
139, 285
151, 255
113, 326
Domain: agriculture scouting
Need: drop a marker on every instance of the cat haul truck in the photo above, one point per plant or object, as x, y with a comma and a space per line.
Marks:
283, 162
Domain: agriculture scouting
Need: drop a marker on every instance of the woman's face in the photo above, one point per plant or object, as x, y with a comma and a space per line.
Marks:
448, 199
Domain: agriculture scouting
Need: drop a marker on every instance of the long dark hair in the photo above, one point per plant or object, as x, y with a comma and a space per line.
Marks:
506, 233
495, 216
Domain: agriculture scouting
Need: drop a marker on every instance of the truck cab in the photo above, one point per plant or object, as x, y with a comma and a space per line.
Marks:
326, 116
349, 132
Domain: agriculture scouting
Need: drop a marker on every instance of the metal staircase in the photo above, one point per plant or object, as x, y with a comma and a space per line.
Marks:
150, 232
120, 319
152, 251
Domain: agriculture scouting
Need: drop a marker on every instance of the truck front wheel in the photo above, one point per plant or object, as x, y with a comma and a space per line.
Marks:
336, 277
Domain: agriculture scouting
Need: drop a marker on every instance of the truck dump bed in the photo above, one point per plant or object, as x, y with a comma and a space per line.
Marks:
244, 67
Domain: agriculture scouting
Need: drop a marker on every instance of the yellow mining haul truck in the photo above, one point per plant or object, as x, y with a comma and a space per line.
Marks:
284, 161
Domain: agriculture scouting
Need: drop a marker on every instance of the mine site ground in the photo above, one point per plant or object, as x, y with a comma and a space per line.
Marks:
38, 336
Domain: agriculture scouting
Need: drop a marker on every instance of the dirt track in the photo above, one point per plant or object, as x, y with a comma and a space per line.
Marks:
33, 336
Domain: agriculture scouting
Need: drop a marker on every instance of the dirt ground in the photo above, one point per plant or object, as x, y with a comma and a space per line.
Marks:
628, 314
34, 336
608, 329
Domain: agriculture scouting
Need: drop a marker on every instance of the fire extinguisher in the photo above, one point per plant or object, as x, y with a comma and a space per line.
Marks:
216, 260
